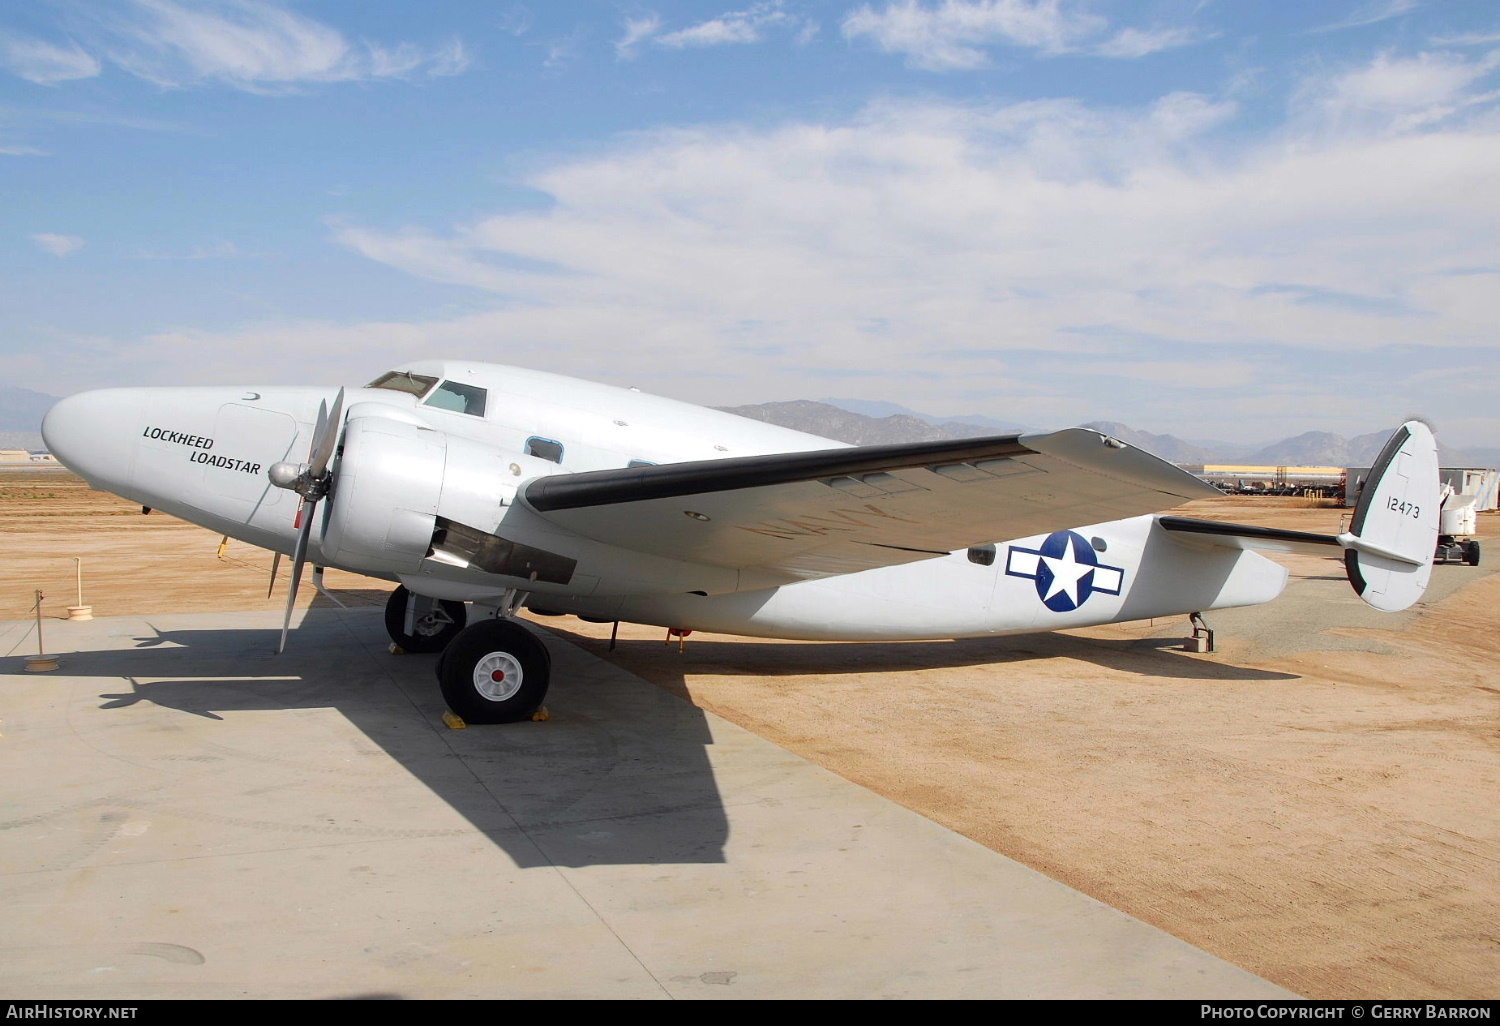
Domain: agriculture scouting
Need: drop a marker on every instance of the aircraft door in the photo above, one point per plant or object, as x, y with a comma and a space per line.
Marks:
247, 440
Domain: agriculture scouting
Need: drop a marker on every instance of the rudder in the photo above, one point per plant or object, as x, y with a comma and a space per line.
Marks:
1393, 535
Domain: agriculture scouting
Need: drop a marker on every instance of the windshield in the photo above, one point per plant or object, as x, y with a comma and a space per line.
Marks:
404, 381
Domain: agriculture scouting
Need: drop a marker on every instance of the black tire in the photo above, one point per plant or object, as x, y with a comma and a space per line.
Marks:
468, 667
429, 633
1471, 553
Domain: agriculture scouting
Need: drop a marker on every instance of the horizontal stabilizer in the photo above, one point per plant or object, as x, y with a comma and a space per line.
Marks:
1260, 539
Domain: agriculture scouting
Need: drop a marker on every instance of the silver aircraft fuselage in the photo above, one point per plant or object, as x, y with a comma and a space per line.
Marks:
457, 442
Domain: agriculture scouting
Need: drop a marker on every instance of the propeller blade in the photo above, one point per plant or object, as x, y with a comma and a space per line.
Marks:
326, 437
299, 556
312, 484
275, 565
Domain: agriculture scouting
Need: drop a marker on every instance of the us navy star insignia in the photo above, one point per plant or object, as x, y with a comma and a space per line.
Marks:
1066, 570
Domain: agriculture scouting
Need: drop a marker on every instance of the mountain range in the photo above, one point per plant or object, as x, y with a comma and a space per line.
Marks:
864, 422
21, 413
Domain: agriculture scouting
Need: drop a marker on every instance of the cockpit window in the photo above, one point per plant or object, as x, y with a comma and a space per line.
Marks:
451, 395
404, 381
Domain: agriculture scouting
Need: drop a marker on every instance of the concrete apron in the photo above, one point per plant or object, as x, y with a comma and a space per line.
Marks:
188, 815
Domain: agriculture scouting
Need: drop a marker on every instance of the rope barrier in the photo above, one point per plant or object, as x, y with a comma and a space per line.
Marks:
35, 607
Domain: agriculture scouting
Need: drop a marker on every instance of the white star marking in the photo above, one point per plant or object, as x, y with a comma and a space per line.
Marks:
1067, 571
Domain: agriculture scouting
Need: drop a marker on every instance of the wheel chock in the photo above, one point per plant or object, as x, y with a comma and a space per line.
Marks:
396, 649
453, 720
541, 715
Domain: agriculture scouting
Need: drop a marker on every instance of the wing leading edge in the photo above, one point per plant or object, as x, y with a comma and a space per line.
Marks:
816, 514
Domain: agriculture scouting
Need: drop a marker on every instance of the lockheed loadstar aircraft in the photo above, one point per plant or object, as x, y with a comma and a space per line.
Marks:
507, 488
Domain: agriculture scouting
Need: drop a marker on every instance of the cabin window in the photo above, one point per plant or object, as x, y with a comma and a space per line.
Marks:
451, 395
984, 555
544, 449
404, 381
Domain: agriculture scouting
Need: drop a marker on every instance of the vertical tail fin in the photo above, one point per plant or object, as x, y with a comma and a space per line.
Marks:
1394, 532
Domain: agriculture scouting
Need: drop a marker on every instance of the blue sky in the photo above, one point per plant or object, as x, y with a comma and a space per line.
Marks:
1234, 220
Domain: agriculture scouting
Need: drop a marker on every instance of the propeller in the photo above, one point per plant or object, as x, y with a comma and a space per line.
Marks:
311, 481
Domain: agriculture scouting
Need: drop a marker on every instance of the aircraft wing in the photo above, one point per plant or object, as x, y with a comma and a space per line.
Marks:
837, 511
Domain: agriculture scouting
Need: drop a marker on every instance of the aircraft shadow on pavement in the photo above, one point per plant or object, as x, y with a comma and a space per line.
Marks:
1150, 657
619, 774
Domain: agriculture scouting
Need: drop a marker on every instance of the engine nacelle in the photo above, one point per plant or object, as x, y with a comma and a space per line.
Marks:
439, 513
380, 518
406, 494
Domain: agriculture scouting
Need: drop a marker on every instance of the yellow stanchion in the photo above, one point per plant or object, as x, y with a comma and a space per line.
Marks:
41, 662
80, 611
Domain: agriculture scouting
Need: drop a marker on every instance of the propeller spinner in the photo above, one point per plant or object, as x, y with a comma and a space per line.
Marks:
312, 481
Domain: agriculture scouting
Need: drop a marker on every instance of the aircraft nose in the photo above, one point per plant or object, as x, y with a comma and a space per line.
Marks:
90, 434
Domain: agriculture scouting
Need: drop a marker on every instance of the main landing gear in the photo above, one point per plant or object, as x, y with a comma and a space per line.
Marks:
491, 671
495, 671
420, 624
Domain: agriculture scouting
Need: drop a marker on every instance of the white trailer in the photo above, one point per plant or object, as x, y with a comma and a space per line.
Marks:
1467, 492
1482, 484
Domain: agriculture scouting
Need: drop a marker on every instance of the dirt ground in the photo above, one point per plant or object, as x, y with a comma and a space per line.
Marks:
1316, 801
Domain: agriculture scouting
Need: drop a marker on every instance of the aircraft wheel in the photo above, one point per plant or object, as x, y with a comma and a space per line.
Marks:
432, 631
1471, 553
495, 671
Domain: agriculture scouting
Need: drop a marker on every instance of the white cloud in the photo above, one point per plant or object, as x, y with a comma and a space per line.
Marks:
57, 245
1130, 43
423, 254
1181, 116
912, 246
393, 62
564, 50
45, 63
1046, 260
1370, 13
1401, 93
1467, 39
223, 250
245, 44
254, 45
516, 20
637, 30
451, 59
745, 26
712, 33
952, 35
1209, 374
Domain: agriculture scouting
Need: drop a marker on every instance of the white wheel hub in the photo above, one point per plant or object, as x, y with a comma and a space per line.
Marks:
498, 676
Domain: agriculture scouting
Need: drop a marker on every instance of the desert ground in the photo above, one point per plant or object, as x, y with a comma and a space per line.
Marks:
1315, 801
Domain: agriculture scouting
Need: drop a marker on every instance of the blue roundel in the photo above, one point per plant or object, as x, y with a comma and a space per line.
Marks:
1066, 570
